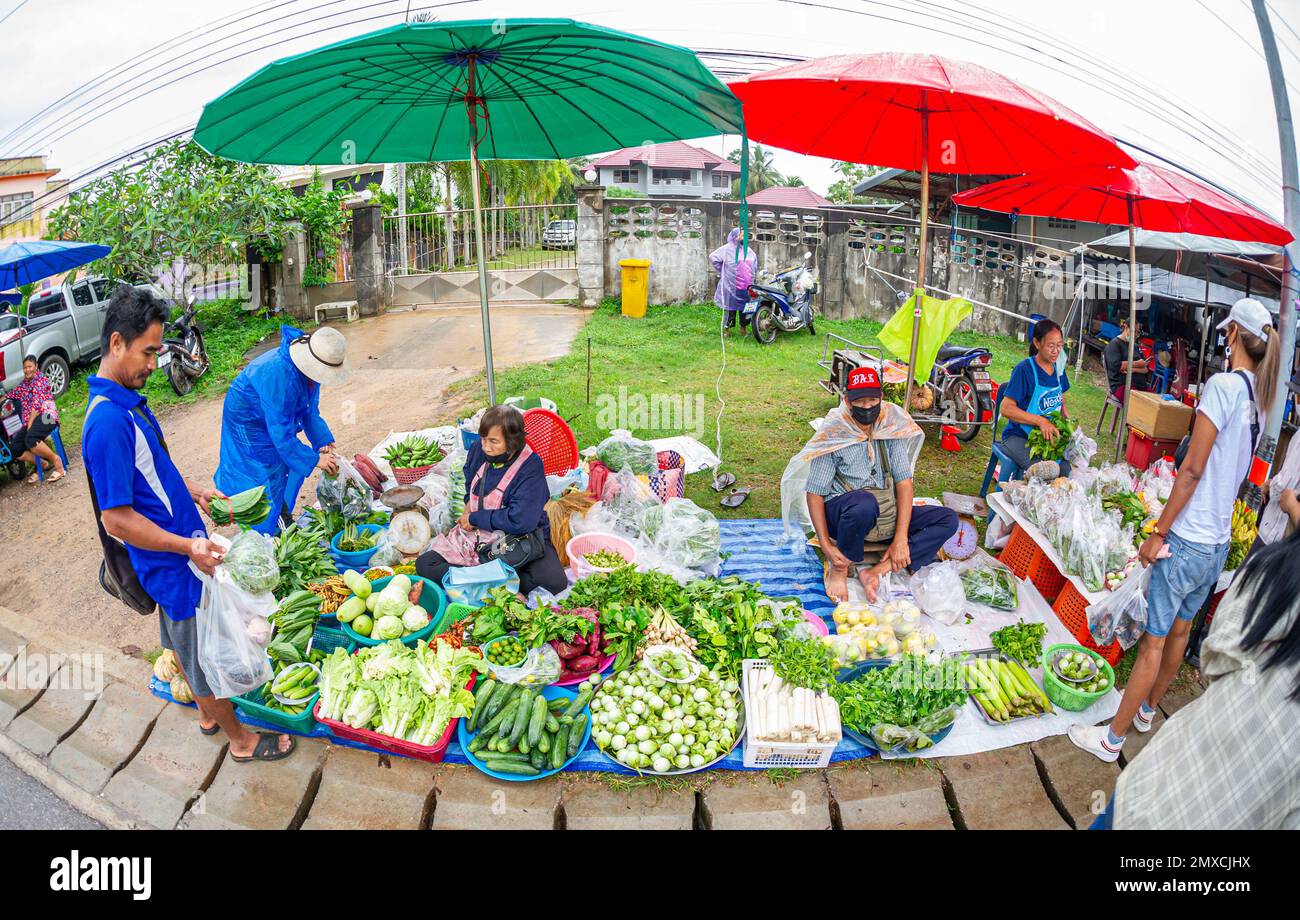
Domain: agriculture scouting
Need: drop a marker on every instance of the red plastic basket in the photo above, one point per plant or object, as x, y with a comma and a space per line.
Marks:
552, 439
408, 475
1143, 451
1020, 552
1072, 610
431, 754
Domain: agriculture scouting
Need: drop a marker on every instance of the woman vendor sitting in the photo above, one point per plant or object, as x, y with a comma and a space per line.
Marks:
859, 489
506, 494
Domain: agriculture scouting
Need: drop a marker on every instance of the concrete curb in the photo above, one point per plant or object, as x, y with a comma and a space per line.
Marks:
92, 806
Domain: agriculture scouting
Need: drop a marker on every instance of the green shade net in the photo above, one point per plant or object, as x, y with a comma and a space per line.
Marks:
544, 89
938, 319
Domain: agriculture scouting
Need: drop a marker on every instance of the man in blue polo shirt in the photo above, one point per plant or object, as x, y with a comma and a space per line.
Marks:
146, 504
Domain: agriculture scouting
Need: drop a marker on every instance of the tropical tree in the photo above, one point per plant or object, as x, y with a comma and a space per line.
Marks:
841, 191
762, 170
181, 206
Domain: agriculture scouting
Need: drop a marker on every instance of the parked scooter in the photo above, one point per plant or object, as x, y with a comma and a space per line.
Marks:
781, 302
11, 431
183, 354
961, 387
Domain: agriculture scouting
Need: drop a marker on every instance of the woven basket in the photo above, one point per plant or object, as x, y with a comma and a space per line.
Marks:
412, 474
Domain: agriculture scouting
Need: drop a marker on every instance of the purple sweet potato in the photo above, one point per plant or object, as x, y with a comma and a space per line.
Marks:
584, 664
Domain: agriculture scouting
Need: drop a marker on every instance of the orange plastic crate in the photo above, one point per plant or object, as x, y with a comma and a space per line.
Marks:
1072, 610
1046, 577
1020, 551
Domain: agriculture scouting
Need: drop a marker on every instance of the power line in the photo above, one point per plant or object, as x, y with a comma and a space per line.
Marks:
21, 4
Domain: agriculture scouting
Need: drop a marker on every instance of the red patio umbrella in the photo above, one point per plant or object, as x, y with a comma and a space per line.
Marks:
1147, 196
918, 111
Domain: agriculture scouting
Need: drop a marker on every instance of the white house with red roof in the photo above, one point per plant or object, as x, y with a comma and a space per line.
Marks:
672, 170
788, 196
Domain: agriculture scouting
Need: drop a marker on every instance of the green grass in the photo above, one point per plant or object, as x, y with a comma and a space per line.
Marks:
771, 393
228, 332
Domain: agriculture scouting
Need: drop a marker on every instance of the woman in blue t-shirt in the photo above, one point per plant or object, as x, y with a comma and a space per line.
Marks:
1035, 391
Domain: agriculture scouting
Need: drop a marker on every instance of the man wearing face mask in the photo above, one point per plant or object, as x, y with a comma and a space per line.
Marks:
860, 489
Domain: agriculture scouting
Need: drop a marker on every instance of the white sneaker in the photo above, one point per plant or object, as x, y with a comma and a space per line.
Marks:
1095, 740
1142, 723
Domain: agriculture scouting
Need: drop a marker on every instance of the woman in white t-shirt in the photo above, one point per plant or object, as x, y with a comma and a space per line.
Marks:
1196, 525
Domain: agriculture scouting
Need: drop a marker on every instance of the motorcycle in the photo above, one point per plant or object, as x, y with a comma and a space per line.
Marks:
961, 388
781, 302
11, 431
183, 354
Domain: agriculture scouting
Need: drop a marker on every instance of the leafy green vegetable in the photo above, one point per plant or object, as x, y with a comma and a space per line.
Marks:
1042, 449
992, 585
617, 453
251, 562
806, 663
302, 558
904, 702
1022, 642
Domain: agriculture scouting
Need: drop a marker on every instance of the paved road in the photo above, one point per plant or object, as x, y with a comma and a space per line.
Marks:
26, 805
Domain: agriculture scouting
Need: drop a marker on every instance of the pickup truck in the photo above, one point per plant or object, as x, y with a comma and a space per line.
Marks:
61, 329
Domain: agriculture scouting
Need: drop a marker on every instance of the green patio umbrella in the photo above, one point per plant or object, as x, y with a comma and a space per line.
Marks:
439, 91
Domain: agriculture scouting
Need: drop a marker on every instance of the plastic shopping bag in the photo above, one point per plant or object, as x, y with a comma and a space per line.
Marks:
985, 581
1081, 449
345, 493
621, 451
233, 632
938, 590
1122, 614
251, 563
541, 666
470, 585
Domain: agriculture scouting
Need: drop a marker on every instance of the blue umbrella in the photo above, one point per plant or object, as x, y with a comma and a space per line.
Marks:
23, 263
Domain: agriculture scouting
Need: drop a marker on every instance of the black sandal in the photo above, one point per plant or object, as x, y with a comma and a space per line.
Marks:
209, 731
723, 481
735, 498
268, 748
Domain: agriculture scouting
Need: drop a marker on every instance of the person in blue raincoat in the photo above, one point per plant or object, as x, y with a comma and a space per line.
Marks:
271, 402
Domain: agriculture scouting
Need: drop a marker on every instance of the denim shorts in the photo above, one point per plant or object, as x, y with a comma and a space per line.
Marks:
1181, 583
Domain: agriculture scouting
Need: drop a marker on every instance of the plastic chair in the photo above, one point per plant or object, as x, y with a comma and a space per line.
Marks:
998, 458
1110, 403
552, 439
58, 449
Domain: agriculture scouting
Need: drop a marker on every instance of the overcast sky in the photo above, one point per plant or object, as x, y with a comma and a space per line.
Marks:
1183, 78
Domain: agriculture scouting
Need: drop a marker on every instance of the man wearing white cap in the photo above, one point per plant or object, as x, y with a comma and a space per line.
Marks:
268, 405
1196, 525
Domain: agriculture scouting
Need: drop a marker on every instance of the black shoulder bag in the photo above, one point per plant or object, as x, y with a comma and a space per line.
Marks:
515, 550
116, 574
1180, 453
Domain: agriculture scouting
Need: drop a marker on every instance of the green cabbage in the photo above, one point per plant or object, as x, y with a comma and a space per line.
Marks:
388, 628
251, 562
392, 601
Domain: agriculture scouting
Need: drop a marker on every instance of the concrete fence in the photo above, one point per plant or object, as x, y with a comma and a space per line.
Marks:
866, 262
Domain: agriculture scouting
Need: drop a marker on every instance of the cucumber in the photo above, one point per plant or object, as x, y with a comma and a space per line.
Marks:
575, 734
544, 743
560, 747
509, 758
552, 724
501, 721
506, 766
477, 743
499, 699
537, 720
522, 714
579, 703
480, 703
538, 760
558, 704
523, 747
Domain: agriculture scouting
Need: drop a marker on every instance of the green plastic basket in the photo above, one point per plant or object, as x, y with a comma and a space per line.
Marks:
251, 705
1066, 695
455, 613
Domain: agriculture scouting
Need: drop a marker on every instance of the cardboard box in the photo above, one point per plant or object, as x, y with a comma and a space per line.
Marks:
1162, 419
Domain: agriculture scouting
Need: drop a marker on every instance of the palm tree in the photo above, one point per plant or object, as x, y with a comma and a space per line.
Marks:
762, 172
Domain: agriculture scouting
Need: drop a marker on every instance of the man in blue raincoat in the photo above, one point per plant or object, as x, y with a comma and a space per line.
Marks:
271, 401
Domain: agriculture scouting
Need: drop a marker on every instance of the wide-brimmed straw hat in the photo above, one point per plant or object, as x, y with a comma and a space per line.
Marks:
322, 356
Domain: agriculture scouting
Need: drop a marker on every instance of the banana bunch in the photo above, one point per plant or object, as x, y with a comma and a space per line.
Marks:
1245, 527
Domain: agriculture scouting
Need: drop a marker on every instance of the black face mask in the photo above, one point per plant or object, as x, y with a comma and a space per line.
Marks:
865, 416
495, 458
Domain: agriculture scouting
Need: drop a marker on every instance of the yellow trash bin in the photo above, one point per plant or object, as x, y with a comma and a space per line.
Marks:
636, 286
